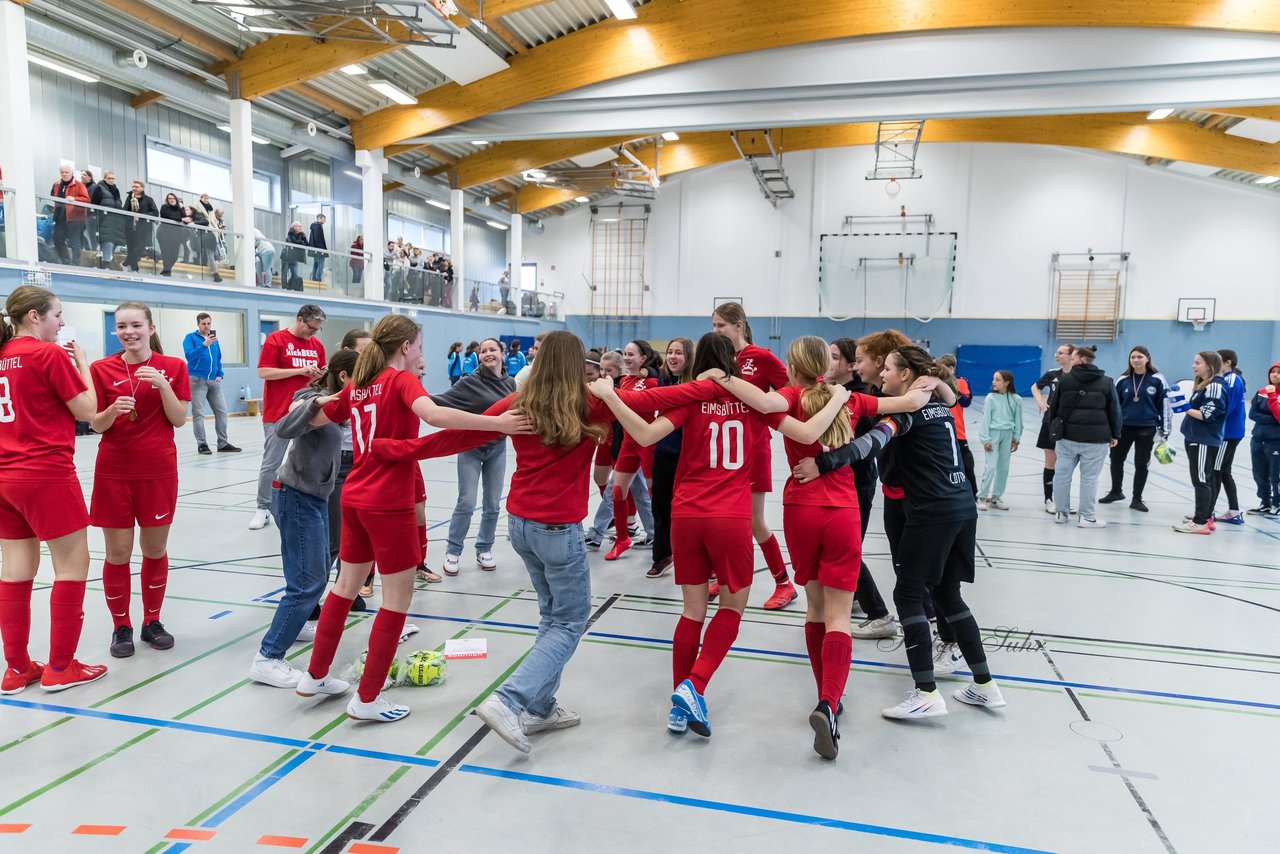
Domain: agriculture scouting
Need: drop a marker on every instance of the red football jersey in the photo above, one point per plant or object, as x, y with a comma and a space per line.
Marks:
713, 477
141, 449
761, 368
381, 410
634, 383
37, 431
283, 349
834, 489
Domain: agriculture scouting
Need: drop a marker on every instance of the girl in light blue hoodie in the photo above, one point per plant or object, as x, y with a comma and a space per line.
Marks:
1000, 434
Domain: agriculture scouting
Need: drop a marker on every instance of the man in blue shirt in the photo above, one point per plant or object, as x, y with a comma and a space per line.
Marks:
204, 365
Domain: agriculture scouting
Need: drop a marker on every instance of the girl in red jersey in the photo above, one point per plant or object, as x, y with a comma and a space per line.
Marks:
142, 396
641, 364
764, 371
711, 513
43, 391
821, 519
385, 398
546, 504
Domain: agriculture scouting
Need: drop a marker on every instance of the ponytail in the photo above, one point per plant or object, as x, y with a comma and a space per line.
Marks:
918, 361
343, 361
22, 301
809, 357
389, 335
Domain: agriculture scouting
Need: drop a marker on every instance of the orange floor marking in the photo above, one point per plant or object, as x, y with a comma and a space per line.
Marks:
99, 830
283, 841
368, 848
190, 834
13, 828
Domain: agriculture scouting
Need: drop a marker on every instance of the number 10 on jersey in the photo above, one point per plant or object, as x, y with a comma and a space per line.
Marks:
726, 445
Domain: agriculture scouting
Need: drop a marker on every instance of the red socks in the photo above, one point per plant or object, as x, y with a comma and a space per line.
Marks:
837, 649
155, 576
384, 637
15, 622
720, 635
684, 649
773, 559
116, 581
620, 515
328, 633
66, 617
422, 538
813, 640
631, 507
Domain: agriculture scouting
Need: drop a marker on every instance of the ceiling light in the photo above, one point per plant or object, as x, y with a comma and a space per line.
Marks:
1269, 179
609, 219
582, 200
61, 69
246, 8
496, 225
671, 136
435, 204
253, 136
1260, 130
621, 9
1157, 115
354, 69
533, 175
389, 90
479, 142
353, 173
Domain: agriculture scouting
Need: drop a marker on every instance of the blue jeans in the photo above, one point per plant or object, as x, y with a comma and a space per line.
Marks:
490, 462
1090, 456
304, 548
317, 267
556, 560
644, 507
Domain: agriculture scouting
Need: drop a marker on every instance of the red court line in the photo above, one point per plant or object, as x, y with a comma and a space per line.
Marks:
369, 848
13, 828
99, 829
190, 834
283, 841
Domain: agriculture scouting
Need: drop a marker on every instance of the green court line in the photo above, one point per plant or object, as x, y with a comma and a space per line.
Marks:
1154, 702
75, 772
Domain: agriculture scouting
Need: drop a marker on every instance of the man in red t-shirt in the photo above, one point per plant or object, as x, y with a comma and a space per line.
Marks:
289, 359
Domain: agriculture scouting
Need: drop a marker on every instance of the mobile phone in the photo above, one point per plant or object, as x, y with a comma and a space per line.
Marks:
66, 335
213, 333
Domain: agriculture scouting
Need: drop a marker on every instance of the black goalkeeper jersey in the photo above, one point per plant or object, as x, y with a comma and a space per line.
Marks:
927, 463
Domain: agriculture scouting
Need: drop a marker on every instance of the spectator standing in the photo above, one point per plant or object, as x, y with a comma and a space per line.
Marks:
357, 259
290, 358
138, 231
264, 252
68, 219
1203, 429
455, 362
204, 367
1265, 445
112, 227
171, 234
504, 288
193, 215
318, 241
91, 221
1084, 415
1144, 413
292, 257
1000, 435
471, 361
515, 359
202, 241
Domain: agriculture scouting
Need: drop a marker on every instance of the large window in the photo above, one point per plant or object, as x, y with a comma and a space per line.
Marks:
193, 173
430, 238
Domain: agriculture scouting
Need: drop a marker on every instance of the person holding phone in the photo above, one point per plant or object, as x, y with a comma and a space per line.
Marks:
204, 366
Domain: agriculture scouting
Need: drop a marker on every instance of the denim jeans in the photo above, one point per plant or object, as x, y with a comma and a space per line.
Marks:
108, 252
490, 462
273, 451
1090, 456
556, 560
644, 509
304, 548
266, 266
210, 391
317, 267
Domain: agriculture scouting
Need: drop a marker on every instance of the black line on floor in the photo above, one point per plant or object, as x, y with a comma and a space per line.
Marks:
984, 555
215, 488
355, 830
1165, 661
415, 800
604, 606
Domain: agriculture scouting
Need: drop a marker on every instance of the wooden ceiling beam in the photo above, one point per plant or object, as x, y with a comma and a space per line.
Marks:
1270, 113
498, 8
175, 27
671, 32
512, 158
281, 62
496, 27
142, 99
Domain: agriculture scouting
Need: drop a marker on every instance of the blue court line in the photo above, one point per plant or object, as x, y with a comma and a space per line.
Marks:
219, 615
310, 748
266, 596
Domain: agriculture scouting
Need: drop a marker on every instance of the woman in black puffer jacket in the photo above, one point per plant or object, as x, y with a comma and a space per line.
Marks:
1084, 419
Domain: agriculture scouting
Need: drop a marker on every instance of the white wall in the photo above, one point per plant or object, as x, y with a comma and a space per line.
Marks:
712, 234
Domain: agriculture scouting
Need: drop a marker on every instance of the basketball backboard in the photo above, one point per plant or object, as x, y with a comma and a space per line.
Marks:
1198, 311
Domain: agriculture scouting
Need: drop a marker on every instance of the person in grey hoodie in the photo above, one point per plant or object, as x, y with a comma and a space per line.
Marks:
300, 507
475, 393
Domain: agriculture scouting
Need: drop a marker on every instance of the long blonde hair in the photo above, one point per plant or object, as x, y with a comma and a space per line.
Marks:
809, 357
555, 399
389, 335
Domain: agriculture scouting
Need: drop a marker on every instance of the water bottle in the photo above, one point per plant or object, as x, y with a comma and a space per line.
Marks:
244, 392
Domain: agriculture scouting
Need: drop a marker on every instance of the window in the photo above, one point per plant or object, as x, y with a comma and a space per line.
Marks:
266, 192
430, 238
190, 173
211, 178
164, 167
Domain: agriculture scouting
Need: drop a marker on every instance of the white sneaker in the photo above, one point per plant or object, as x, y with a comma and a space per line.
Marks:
560, 718
451, 564
982, 504
1090, 523
980, 695
261, 518
997, 504
1049, 506
308, 633
504, 722
309, 686
884, 627
487, 561
947, 658
919, 704
381, 710
1061, 518
1190, 527
275, 672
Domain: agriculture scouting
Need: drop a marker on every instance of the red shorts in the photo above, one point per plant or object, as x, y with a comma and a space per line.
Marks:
388, 538
44, 510
762, 468
634, 457
604, 455
825, 544
120, 503
419, 486
708, 546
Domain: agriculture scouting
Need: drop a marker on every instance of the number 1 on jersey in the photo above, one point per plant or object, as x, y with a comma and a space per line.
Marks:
730, 440
955, 443
357, 428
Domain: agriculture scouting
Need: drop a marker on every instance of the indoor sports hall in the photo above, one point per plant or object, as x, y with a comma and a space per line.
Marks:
229, 228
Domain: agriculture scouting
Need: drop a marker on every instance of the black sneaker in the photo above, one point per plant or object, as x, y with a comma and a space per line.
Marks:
155, 634
592, 542
1259, 511
660, 567
122, 642
359, 604
826, 732
203, 449
1136, 504
1111, 498
644, 543
228, 449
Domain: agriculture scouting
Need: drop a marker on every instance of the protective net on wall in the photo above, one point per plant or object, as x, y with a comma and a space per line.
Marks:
886, 275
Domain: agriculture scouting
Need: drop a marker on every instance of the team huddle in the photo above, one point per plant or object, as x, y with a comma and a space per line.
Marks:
709, 419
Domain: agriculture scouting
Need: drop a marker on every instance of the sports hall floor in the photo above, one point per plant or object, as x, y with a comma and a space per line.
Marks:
1145, 719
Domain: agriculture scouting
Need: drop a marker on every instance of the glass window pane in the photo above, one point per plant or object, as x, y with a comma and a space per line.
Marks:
261, 192
166, 168
211, 178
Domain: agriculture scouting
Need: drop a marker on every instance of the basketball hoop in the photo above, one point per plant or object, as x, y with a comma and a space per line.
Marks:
1198, 325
